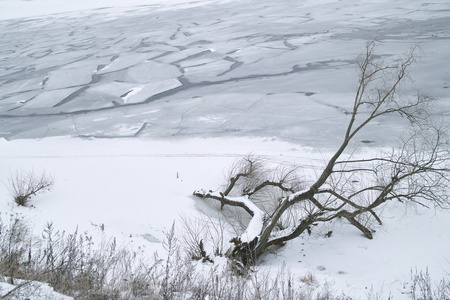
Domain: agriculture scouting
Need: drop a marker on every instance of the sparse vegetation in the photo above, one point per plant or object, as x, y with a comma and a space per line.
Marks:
25, 184
74, 265
423, 288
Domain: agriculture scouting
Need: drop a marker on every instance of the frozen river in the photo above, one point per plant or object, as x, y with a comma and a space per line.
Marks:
247, 68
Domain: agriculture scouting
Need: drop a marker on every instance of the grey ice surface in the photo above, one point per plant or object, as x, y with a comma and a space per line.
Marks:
282, 69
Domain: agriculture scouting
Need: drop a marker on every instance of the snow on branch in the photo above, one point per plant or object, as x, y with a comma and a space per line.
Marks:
414, 171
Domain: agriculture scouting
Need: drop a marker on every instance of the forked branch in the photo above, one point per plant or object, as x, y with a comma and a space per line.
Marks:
416, 170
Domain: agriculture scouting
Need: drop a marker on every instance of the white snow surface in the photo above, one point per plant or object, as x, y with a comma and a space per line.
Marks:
167, 94
38, 290
137, 188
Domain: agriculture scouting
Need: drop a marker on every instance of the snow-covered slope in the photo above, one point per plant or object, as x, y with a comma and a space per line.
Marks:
135, 189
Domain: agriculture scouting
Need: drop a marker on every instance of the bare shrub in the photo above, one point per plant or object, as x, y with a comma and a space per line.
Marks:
309, 279
203, 237
25, 184
194, 234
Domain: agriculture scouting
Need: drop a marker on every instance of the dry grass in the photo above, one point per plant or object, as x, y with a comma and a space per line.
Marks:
73, 265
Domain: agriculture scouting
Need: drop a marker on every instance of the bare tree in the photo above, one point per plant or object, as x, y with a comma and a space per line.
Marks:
416, 170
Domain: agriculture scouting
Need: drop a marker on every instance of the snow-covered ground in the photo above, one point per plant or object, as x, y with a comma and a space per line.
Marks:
133, 107
136, 188
37, 289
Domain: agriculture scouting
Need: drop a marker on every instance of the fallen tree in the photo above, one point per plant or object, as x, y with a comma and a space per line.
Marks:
282, 206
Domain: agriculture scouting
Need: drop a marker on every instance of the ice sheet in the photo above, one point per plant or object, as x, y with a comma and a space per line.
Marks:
265, 68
